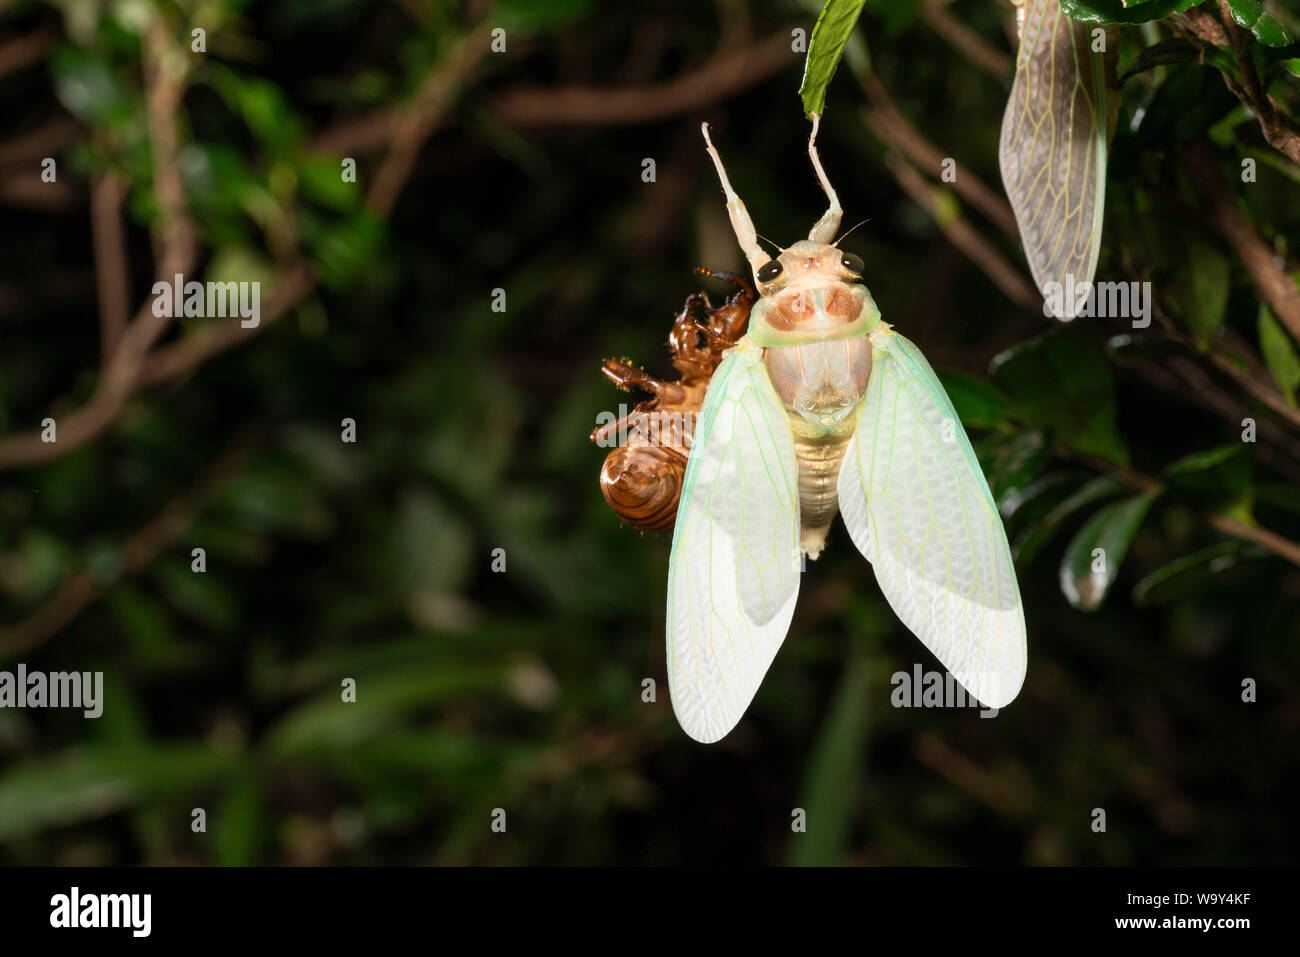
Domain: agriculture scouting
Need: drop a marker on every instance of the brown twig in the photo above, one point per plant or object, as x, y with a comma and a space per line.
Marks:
178, 358
1224, 214
84, 587
135, 363
1255, 380
174, 239
1275, 543
21, 52
28, 190
893, 128
45, 140
726, 73
112, 275
1278, 130
975, 780
411, 126
965, 237
965, 40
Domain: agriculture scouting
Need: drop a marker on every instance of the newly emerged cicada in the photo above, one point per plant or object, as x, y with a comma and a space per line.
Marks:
822, 407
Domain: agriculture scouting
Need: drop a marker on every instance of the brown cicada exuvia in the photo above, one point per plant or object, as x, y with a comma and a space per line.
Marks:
642, 474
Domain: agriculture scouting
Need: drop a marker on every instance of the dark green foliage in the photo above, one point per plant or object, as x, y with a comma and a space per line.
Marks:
522, 689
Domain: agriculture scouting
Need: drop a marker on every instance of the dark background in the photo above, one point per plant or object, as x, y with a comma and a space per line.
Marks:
522, 690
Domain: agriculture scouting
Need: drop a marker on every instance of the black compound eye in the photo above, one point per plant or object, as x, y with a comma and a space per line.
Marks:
853, 264
769, 270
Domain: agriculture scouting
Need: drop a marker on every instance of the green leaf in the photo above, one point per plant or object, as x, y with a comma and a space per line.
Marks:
1281, 496
978, 402
529, 16
1171, 50
1131, 345
1009, 462
1116, 11
200, 595
1181, 576
1280, 354
1199, 291
830, 785
90, 782
897, 15
1062, 380
1267, 28
1093, 557
88, 86
239, 827
327, 722
1032, 539
1219, 479
829, 36
320, 178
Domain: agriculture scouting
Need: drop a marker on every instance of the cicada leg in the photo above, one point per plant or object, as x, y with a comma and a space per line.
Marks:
826, 227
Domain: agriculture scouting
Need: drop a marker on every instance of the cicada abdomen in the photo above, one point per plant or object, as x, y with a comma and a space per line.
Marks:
642, 477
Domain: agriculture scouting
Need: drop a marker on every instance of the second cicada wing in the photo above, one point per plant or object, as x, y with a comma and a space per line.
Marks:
917, 506
1053, 146
733, 576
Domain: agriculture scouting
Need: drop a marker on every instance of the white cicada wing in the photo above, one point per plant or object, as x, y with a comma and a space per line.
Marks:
1053, 147
917, 506
734, 572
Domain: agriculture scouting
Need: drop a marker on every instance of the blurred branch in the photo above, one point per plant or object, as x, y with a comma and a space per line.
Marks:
165, 79
884, 119
27, 189
892, 128
1275, 543
134, 363
1255, 382
185, 355
727, 72
21, 52
46, 140
411, 126
1224, 214
112, 275
139, 549
964, 236
987, 788
165, 83
965, 40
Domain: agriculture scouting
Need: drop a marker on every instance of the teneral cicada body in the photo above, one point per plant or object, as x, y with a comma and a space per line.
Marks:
642, 476
821, 408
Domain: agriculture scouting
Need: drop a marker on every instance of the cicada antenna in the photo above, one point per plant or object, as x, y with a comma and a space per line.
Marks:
741, 224
846, 235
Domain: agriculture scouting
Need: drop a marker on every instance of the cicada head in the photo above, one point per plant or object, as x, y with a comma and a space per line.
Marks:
812, 292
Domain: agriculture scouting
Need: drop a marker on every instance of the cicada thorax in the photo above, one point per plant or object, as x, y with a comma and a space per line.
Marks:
642, 477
